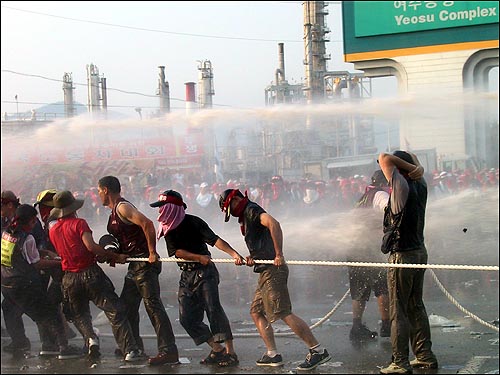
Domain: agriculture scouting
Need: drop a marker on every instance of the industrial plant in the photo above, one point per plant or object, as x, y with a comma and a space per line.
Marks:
309, 146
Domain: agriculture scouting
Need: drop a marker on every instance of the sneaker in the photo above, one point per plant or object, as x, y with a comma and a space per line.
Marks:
163, 358
119, 353
417, 363
385, 328
275, 361
361, 333
49, 350
70, 352
93, 351
22, 347
134, 356
313, 360
395, 369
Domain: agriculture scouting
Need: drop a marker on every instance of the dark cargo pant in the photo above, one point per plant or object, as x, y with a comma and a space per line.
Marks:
142, 284
32, 300
94, 285
409, 320
199, 294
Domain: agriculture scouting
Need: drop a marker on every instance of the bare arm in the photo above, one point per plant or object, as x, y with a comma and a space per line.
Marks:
187, 255
133, 215
276, 234
44, 264
388, 162
225, 247
418, 172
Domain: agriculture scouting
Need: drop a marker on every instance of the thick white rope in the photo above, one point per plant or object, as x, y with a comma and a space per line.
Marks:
335, 308
455, 302
331, 263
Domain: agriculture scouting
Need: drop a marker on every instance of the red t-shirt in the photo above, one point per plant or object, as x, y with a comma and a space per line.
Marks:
66, 236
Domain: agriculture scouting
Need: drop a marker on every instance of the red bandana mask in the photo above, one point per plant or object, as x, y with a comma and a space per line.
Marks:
238, 212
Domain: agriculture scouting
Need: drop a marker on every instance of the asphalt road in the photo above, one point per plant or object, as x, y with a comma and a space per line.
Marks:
461, 344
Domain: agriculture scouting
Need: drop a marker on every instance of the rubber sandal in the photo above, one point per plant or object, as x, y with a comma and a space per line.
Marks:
229, 360
213, 358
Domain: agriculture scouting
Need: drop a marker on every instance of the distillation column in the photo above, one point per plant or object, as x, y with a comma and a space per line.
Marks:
315, 37
69, 108
206, 85
93, 88
163, 92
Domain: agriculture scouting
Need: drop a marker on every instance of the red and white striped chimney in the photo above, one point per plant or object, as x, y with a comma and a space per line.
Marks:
190, 97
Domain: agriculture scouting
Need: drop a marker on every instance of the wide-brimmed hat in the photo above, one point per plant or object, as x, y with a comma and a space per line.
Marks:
169, 196
45, 197
65, 204
9, 197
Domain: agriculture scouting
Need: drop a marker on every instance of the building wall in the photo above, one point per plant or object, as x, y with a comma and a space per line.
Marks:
430, 73
437, 69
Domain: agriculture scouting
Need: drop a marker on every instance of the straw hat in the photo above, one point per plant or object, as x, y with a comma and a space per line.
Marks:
65, 204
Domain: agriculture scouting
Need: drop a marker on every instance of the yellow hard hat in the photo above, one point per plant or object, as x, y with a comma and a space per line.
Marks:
45, 197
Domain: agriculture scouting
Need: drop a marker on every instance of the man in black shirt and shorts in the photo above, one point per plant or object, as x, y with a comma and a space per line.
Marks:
264, 239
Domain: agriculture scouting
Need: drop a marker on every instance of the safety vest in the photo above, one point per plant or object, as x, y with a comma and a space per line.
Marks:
16, 271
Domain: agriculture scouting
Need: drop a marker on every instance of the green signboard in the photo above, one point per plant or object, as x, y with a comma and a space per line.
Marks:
391, 17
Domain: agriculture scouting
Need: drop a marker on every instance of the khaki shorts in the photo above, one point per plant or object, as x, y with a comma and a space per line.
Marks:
271, 297
364, 280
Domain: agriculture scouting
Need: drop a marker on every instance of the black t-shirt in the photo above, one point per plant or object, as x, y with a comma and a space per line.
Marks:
193, 234
257, 237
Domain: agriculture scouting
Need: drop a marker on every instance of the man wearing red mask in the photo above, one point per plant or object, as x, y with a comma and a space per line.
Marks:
264, 239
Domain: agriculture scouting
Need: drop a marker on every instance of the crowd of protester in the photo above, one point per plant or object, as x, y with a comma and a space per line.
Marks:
277, 194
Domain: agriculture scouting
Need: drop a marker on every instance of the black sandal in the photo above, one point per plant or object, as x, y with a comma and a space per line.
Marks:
213, 358
229, 360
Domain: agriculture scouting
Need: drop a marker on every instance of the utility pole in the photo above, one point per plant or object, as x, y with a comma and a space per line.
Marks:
17, 107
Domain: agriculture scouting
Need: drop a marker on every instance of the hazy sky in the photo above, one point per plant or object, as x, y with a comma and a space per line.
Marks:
127, 41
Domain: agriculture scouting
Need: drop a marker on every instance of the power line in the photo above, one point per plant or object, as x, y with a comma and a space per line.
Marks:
156, 30
85, 105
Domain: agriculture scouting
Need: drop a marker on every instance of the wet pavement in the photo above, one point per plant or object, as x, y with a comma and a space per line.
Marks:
461, 344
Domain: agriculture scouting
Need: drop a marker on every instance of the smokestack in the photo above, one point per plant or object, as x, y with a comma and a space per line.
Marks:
69, 109
190, 97
281, 61
163, 92
104, 95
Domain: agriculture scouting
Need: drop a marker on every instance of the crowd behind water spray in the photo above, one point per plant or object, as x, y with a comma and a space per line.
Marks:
460, 228
332, 234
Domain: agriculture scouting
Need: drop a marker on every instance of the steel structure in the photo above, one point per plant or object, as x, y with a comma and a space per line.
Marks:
69, 108
205, 84
163, 91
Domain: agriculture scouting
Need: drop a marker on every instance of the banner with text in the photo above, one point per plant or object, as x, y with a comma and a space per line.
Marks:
391, 17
